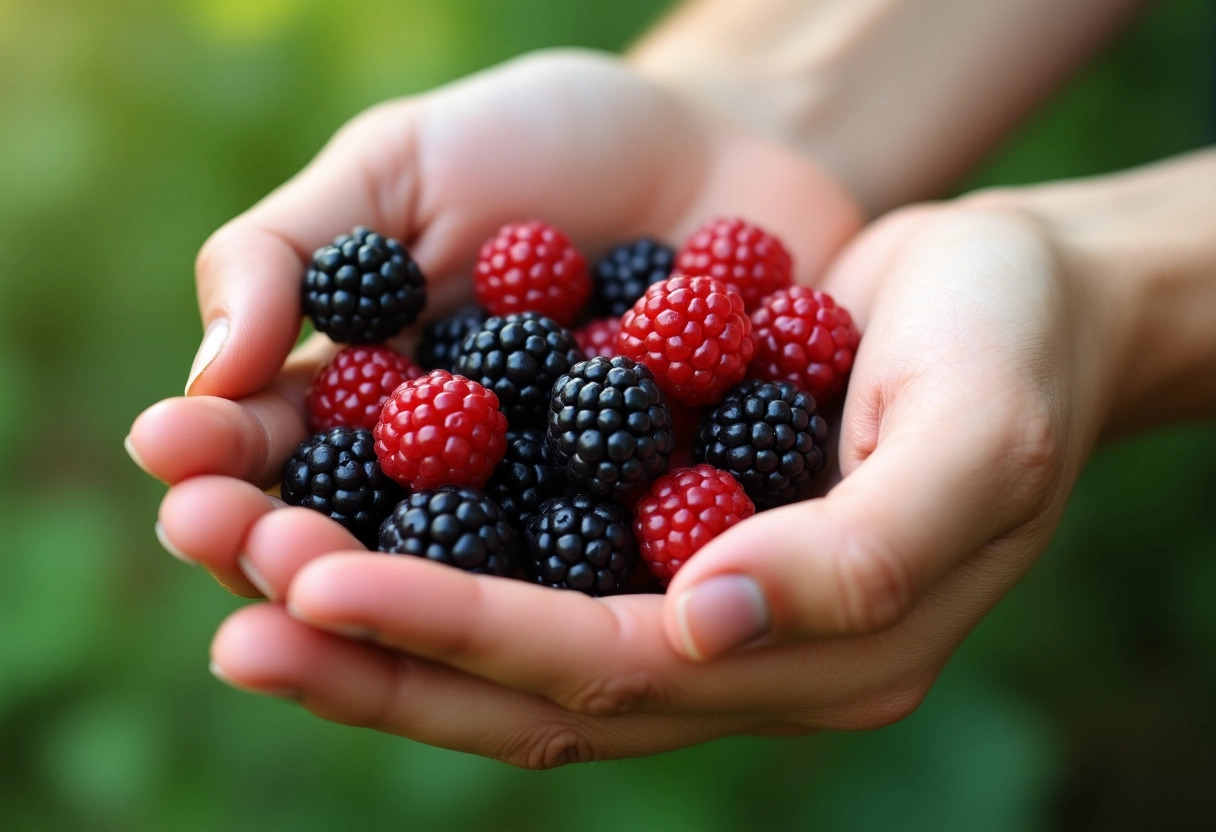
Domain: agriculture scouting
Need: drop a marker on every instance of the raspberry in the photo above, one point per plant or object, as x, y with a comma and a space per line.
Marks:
531, 267
692, 334
351, 389
683, 511
747, 258
336, 473
598, 338
526, 477
440, 429
519, 357
804, 338
455, 525
439, 345
624, 274
580, 543
610, 427
768, 436
363, 288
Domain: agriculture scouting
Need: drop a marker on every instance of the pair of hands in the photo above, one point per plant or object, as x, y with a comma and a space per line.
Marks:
977, 394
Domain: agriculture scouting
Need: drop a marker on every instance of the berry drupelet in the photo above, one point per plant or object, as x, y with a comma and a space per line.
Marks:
363, 288
526, 477
336, 473
581, 543
768, 436
439, 345
624, 274
456, 525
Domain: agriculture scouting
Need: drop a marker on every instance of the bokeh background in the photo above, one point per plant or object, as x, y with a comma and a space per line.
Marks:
129, 129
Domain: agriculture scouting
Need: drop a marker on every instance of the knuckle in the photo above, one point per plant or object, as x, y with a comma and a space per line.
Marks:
547, 746
612, 695
883, 708
1035, 452
873, 583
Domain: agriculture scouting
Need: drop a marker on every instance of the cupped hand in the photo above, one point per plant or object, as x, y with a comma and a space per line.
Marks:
981, 385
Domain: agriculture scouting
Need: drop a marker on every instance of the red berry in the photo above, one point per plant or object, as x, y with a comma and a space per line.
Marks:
692, 333
440, 429
531, 267
683, 511
597, 339
746, 257
804, 338
350, 390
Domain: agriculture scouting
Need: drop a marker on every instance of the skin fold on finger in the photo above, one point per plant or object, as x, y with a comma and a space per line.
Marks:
261, 649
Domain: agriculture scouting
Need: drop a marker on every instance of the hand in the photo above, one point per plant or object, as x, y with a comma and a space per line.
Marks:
982, 383
572, 138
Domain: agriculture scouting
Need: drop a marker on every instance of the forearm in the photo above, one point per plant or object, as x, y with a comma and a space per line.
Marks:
899, 98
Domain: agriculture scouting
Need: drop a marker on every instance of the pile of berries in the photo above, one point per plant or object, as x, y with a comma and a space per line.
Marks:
533, 435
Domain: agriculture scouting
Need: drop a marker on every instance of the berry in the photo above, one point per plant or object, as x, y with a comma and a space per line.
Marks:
531, 267
519, 357
747, 258
526, 477
439, 345
456, 525
351, 389
610, 427
440, 429
683, 511
767, 435
582, 543
336, 473
624, 274
692, 334
363, 288
804, 338
598, 338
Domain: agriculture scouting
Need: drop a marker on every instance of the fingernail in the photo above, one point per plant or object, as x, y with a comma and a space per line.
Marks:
213, 342
276, 502
355, 631
255, 577
282, 693
721, 614
134, 454
170, 548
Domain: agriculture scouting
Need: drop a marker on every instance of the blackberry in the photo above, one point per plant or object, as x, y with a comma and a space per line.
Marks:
582, 543
363, 288
518, 357
768, 436
526, 477
456, 525
336, 473
610, 427
624, 274
439, 346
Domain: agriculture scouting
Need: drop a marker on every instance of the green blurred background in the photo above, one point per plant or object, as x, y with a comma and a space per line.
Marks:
129, 129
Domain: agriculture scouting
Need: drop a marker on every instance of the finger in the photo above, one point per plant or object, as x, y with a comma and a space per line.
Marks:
205, 520
261, 649
281, 543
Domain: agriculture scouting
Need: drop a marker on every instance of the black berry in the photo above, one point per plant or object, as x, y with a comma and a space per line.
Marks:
625, 272
582, 543
526, 477
439, 345
456, 525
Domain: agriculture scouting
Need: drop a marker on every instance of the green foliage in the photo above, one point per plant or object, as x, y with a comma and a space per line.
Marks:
129, 130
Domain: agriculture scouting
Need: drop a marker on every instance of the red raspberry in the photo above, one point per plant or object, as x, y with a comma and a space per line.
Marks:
441, 429
746, 257
531, 267
598, 338
804, 338
690, 332
683, 511
350, 390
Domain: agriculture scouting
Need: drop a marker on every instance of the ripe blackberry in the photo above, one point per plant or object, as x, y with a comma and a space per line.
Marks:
582, 543
531, 267
624, 274
519, 357
350, 390
693, 335
768, 436
746, 257
456, 525
363, 288
805, 338
610, 427
682, 512
526, 477
336, 473
598, 337
439, 345
440, 429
